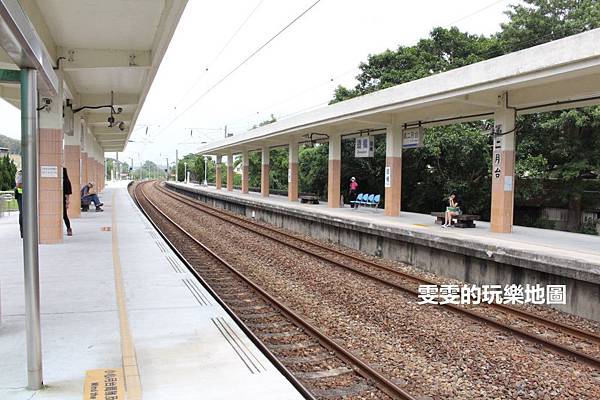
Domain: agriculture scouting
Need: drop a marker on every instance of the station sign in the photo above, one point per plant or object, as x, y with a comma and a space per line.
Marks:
388, 177
364, 146
412, 137
48, 171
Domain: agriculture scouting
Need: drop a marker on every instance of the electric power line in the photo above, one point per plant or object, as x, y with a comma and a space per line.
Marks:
210, 64
475, 12
315, 87
294, 96
241, 64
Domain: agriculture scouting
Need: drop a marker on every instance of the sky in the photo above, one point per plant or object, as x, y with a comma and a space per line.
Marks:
295, 72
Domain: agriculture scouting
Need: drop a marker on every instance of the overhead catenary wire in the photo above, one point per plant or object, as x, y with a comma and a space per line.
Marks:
475, 12
294, 96
484, 55
210, 64
248, 58
494, 50
345, 73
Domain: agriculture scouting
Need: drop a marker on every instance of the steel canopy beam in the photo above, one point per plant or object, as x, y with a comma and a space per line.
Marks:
24, 47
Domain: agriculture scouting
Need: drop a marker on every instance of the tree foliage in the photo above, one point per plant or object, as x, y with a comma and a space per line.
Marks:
8, 171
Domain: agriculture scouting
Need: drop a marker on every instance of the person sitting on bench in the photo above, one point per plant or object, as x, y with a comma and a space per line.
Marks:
452, 210
88, 196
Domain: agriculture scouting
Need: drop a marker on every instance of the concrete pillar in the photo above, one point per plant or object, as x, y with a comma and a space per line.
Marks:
230, 172
73, 165
103, 172
293, 171
334, 171
218, 173
91, 168
98, 175
50, 182
84, 170
264, 172
245, 171
393, 170
503, 172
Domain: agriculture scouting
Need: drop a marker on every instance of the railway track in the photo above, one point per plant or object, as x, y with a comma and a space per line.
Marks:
314, 359
402, 281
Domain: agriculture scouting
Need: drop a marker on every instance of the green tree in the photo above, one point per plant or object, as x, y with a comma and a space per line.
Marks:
254, 169
8, 171
312, 169
444, 50
534, 22
561, 146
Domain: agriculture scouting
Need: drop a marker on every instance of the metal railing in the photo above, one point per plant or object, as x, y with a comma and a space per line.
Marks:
8, 203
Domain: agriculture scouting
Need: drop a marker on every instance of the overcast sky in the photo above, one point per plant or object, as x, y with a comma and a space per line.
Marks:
297, 71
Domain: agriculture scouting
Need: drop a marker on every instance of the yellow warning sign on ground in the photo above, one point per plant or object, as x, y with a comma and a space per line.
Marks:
104, 384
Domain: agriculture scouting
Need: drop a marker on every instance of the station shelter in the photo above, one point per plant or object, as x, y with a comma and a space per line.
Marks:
80, 72
554, 76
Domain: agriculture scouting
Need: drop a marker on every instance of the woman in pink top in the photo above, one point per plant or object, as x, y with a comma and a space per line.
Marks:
353, 192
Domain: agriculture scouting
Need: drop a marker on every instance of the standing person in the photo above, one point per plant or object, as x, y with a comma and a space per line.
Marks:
353, 192
19, 198
452, 209
67, 192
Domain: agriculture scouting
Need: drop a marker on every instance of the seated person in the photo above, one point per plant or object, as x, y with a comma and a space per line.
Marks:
453, 209
88, 196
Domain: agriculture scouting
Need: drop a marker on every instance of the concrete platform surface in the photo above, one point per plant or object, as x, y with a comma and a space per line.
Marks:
174, 323
563, 253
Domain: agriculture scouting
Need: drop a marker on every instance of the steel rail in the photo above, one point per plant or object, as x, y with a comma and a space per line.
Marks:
542, 320
362, 367
305, 392
532, 337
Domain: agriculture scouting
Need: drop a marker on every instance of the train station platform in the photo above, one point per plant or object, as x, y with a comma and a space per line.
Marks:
115, 298
477, 255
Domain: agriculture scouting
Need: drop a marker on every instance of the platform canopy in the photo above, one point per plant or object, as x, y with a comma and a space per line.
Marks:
102, 47
556, 75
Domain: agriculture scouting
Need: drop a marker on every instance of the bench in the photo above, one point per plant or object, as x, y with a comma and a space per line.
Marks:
309, 199
365, 199
462, 221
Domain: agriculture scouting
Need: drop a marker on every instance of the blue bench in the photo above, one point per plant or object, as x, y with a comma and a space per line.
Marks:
367, 200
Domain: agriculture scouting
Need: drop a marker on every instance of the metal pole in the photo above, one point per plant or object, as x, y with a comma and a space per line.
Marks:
177, 166
167, 158
29, 140
205, 170
185, 172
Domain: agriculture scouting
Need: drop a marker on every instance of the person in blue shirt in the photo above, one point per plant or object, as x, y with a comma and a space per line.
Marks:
87, 196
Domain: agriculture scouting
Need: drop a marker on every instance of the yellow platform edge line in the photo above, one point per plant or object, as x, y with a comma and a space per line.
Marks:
133, 386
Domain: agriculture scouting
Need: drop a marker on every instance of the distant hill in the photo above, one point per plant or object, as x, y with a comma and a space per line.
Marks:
13, 145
